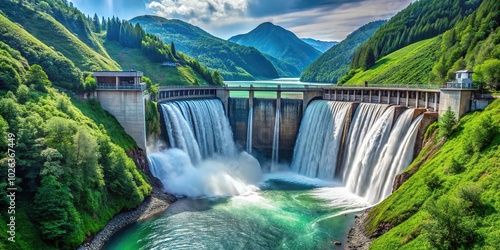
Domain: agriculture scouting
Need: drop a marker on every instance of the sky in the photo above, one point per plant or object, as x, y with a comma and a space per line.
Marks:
327, 20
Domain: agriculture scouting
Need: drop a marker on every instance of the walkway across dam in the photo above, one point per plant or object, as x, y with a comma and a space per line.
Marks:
406, 95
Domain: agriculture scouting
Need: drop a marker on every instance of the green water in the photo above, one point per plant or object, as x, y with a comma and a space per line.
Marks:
282, 214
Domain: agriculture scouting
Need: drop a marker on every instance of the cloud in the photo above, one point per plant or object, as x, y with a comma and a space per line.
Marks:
199, 11
320, 19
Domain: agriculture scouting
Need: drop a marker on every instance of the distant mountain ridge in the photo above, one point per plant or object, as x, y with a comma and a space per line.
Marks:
334, 63
321, 46
234, 61
280, 43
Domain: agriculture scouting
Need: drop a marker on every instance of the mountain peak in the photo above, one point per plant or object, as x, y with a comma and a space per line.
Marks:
280, 43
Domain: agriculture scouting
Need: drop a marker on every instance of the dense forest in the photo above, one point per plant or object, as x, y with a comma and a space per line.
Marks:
133, 36
334, 63
72, 169
72, 175
471, 44
421, 20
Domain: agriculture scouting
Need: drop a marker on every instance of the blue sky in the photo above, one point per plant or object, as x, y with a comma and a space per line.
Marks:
330, 20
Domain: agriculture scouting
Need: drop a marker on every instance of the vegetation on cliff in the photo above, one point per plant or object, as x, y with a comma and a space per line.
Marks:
334, 63
472, 43
421, 20
451, 199
71, 176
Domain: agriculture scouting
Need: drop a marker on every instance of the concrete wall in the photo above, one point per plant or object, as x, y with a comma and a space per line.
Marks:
127, 107
459, 100
264, 113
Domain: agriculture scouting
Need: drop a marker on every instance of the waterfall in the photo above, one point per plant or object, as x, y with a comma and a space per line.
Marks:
376, 148
208, 124
396, 156
249, 130
276, 138
203, 159
365, 116
320, 134
368, 154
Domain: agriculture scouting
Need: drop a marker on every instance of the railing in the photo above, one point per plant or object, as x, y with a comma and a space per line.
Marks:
391, 86
457, 85
110, 86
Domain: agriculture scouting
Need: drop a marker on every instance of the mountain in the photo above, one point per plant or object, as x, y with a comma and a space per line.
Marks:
421, 20
233, 61
321, 46
334, 63
279, 43
471, 43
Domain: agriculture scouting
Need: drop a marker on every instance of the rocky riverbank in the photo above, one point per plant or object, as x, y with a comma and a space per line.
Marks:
357, 239
152, 205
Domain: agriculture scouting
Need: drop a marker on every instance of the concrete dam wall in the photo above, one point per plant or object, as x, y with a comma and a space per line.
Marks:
264, 111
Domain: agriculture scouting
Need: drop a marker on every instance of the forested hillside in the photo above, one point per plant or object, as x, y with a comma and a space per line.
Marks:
72, 175
233, 61
157, 52
451, 200
280, 43
421, 20
69, 156
334, 63
471, 44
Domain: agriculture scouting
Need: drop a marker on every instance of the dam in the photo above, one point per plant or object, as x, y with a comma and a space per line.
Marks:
279, 172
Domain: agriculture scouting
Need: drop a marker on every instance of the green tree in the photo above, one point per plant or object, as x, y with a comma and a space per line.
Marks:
217, 78
9, 78
172, 48
52, 165
490, 71
446, 123
53, 211
95, 24
451, 226
23, 94
38, 78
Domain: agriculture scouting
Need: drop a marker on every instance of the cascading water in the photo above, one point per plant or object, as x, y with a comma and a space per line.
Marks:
203, 160
249, 130
396, 156
276, 138
368, 154
375, 149
317, 147
364, 117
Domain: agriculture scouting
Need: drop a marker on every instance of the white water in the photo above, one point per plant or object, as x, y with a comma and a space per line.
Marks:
249, 130
276, 139
368, 154
396, 156
364, 117
375, 149
318, 142
202, 160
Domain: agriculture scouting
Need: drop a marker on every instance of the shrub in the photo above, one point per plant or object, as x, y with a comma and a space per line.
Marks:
455, 167
433, 182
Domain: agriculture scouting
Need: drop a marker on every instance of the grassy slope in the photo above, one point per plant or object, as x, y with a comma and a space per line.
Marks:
410, 64
49, 31
406, 208
134, 58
